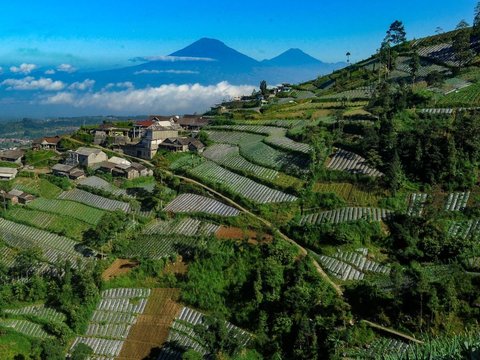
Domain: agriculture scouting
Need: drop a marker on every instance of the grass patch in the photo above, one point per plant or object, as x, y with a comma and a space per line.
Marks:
37, 187
354, 195
40, 158
13, 344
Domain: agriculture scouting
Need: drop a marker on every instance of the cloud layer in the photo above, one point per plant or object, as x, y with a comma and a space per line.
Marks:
23, 68
170, 58
143, 72
30, 83
163, 99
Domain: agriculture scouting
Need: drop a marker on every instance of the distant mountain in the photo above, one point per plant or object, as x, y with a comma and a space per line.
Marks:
215, 50
293, 57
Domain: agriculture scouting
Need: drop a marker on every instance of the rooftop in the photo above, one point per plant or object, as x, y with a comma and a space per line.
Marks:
86, 151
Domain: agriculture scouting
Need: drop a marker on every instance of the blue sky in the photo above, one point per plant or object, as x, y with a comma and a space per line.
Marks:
106, 33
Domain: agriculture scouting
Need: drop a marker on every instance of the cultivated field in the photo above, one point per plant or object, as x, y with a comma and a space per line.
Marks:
457, 201
347, 161
353, 194
241, 185
70, 209
95, 201
38, 311
55, 248
348, 214
192, 203
185, 226
98, 183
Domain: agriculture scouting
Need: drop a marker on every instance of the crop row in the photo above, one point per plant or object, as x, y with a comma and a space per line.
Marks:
67, 208
345, 215
193, 203
95, 201
39, 311
26, 327
362, 262
186, 227
112, 320
360, 93
160, 246
416, 204
274, 136
256, 151
98, 183
241, 185
466, 97
465, 229
347, 161
54, 247
457, 201
7, 256
229, 156
182, 332
340, 269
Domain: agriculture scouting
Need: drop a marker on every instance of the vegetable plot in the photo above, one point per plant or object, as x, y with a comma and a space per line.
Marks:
95, 201
347, 161
346, 215
193, 203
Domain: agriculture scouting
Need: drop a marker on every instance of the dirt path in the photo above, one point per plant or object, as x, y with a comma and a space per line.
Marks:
392, 332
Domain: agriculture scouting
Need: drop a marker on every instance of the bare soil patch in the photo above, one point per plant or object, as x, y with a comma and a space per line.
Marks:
152, 327
235, 233
119, 267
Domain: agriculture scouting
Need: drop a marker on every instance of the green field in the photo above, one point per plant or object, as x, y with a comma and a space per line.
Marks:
37, 187
467, 97
59, 224
353, 195
67, 208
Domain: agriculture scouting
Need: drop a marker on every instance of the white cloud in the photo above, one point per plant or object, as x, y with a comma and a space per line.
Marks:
50, 72
142, 72
83, 85
30, 83
1, 70
121, 85
23, 68
66, 68
163, 99
170, 58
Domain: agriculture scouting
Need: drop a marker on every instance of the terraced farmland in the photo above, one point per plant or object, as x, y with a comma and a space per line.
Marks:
120, 305
161, 246
37, 187
348, 214
54, 247
465, 229
26, 327
466, 97
98, 183
7, 256
249, 189
352, 265
347, 161
416, 204
95, 201
70, 209
192, 203
256, 151
186, 227
363, 93
457, 201
58, 224
38, 311
182, 332
274, 136
229, 156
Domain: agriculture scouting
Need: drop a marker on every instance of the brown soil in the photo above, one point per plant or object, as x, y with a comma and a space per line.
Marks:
118, 267
234, 233
152, 327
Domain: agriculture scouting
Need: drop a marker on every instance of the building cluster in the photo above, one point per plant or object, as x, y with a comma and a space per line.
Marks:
146, 137
97, 160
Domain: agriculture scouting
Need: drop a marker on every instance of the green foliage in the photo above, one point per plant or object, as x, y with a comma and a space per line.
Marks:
60, 181
110, 225
40, 158
81, 352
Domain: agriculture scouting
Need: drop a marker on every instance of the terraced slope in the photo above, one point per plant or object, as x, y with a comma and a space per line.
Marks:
241, 185
192, 203
347, 161
348, 214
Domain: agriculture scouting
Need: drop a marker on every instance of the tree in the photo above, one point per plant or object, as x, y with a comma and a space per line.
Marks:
395, 176
396, 33
476, 22
81, 352
461, 44
263, 88
414, 66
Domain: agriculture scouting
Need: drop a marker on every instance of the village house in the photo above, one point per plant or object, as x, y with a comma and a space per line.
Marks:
183, 145
19, 197
7, 173
116, 134
192, 122
13, 156
123, 168
46, 143
152, 137
87, 157
69, 171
